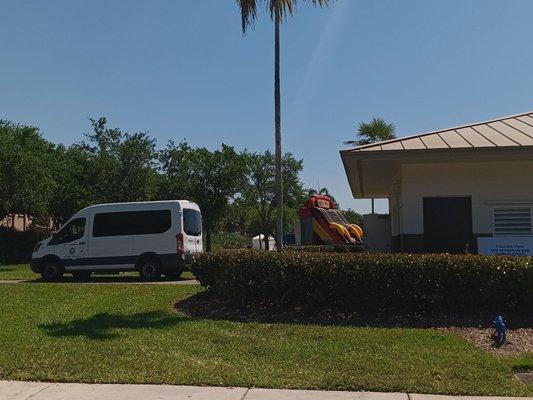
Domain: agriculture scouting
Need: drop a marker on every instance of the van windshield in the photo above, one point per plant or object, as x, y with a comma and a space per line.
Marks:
192, 222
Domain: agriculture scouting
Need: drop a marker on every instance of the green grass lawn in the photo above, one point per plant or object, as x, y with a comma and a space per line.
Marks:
130, 334
17, 271
23, 272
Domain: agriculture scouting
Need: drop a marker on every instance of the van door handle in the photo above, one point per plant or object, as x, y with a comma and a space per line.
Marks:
82, 243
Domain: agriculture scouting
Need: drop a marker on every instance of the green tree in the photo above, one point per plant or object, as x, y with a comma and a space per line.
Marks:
72, 188
122, 165
353, 217
210, 178
176, 162
374, 131
279, 9
260, 192
26, 181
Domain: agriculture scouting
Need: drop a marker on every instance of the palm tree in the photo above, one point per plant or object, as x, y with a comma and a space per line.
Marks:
279, 10
376, 130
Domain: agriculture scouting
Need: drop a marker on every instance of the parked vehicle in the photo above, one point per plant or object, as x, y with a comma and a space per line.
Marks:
153, 238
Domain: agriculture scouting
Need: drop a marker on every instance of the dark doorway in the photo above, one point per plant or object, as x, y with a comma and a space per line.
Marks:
448, 224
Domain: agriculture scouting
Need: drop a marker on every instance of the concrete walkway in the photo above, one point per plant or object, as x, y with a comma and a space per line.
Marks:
10, 390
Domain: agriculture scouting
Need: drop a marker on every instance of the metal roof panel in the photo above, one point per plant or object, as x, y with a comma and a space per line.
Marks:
413, 144
434, 141
515, 130
494, 136
511, 133
454, 140
474, 138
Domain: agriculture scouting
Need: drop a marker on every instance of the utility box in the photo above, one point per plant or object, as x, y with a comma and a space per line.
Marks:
377, 228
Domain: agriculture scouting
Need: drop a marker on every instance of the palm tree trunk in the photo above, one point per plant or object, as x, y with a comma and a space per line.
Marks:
277, 121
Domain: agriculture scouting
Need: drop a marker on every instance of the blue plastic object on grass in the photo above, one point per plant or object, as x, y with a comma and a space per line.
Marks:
499, 326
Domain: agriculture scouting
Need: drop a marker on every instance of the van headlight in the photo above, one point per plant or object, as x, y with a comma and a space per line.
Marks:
37, 247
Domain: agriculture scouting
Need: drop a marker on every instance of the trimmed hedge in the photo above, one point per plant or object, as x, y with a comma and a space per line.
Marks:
16, 247
362, 282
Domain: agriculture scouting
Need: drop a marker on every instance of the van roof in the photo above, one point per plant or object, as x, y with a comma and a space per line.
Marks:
181, 202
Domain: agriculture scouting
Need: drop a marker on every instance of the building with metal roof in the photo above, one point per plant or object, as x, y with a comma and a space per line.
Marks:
450, 187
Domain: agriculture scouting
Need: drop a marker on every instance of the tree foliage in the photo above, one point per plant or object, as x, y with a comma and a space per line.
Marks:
26, 181
353, 217
121, 165
210, 178
376, 130
236, 190
276, 8
260, 192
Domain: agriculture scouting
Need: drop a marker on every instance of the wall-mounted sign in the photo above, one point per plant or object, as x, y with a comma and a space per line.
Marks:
505, 246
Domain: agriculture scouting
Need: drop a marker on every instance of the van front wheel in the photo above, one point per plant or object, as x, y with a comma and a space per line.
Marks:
149, 269
51, 271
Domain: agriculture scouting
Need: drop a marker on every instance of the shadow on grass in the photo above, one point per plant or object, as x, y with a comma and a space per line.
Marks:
103, 326
204, 305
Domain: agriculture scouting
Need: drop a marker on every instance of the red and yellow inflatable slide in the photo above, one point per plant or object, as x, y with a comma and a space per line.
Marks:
322, 223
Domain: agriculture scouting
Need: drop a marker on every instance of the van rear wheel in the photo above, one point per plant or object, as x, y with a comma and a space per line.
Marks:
149, 269
173, 274
51, 271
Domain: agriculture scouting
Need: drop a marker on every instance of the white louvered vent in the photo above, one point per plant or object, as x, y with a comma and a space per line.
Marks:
512, 221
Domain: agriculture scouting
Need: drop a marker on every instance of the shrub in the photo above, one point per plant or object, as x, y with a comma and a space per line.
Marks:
360, 282
16, 246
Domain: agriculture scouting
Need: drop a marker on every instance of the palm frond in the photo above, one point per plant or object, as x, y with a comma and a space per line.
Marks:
248, 13
280, 9
286, 7
376, 130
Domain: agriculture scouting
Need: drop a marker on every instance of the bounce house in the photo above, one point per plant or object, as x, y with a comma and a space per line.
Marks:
322, 223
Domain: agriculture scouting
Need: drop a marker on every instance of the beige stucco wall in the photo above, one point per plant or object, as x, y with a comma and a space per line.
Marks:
506, 182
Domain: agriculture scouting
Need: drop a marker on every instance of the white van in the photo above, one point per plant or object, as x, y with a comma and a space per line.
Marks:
154, 238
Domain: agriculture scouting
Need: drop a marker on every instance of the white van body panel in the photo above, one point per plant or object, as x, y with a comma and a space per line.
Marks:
192, 243
164, 243
122, 252
77, 249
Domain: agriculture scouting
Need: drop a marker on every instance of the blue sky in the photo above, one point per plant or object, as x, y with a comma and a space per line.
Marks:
182, 69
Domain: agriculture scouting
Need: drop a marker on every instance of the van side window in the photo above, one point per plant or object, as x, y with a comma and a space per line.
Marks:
74, 230
131, 223
192, 222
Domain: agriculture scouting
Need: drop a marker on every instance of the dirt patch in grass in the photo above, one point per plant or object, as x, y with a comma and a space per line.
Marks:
474, 328
519, 340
